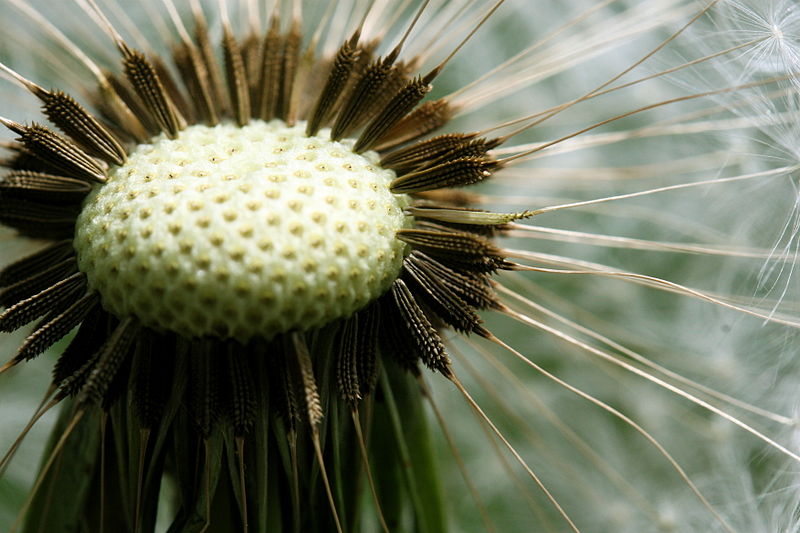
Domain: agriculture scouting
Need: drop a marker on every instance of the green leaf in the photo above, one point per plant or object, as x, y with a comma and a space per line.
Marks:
412, 438
68, 489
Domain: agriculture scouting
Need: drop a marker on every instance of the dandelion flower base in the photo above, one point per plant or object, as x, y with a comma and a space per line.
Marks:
242, 232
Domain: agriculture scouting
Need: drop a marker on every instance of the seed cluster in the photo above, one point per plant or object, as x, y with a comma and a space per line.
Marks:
242, 232
257, 245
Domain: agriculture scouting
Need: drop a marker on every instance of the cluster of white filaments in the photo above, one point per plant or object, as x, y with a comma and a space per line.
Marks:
242, 232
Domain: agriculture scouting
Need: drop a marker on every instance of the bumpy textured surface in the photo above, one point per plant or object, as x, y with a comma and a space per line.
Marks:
242, 232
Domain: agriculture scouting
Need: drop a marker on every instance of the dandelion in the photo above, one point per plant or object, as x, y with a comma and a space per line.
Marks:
251, 244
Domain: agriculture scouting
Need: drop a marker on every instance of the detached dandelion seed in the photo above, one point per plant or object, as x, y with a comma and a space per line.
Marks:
252, 245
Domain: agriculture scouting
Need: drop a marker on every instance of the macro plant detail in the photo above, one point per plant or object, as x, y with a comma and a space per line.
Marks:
203, 267
250, 246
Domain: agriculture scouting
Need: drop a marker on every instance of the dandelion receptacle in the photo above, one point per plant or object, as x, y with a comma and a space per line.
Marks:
284, 269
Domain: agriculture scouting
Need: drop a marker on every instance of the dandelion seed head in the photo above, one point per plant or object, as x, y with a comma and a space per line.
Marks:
759, 46
222, 231
775, 24
220, 259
